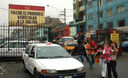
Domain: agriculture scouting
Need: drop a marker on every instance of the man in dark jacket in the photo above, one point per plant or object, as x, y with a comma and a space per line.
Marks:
79, 51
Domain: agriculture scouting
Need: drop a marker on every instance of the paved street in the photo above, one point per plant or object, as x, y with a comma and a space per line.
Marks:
15, 69
122, 68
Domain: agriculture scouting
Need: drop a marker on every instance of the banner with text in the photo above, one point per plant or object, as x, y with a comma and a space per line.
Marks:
115, 36
24, 15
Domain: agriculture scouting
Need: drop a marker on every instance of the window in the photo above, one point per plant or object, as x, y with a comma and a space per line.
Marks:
100, 2
101, 14
74, 6
33, 52
90, 5
83, 2
109, 12
5, 45
52, 52
121, 23
110, 25
74, 16
90, 16
108, 0
80, 17
120, 9
90, 28
80, 3
100, 26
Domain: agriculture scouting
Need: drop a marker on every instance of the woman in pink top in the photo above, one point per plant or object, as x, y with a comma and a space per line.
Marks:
107, 52
111, 65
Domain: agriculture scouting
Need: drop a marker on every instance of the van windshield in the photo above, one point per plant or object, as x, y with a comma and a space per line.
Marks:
52, 52
66, 39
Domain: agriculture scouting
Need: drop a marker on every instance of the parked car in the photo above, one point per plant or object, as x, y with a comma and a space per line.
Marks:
13, 48
33, 41
47, 60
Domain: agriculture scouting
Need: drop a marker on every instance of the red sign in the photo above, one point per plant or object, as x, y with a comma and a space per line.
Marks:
26, 7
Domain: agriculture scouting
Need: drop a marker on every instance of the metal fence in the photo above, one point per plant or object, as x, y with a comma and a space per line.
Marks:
13, 39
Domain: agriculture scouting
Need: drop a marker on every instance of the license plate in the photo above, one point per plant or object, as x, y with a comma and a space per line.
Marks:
67, 76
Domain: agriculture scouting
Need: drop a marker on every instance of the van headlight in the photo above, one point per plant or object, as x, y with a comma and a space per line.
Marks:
48, 71
81, 69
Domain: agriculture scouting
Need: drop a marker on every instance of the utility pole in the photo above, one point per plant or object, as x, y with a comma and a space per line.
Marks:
65, 16
98, 17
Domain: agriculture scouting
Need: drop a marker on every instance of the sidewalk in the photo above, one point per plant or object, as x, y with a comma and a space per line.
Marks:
122, 68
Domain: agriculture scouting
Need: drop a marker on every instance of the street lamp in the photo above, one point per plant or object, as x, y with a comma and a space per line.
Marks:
57, 15
54, 8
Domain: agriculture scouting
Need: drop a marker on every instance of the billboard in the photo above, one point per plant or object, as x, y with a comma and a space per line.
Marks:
25, 15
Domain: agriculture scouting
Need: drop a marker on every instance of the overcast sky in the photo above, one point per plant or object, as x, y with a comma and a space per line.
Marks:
56, 7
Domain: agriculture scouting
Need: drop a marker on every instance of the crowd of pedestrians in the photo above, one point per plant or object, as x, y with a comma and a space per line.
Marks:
104, 55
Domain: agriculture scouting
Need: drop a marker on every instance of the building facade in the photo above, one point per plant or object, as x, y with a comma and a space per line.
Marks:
79, 15
112, 13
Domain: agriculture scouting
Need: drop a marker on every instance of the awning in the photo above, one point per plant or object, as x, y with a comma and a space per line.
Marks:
124, 28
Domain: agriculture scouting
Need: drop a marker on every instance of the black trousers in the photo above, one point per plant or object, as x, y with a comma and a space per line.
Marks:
111, 66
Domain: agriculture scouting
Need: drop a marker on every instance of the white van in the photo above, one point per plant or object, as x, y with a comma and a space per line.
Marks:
47, 60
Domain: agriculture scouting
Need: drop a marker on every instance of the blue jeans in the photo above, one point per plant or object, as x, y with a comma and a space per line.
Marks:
91, 60
80, 58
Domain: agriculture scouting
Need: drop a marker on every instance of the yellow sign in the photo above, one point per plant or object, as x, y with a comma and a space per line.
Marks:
126, 28
115, 37
23, 15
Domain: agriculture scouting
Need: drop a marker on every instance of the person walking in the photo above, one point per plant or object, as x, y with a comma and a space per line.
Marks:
79, 51
111, 65
102, 61
91, 53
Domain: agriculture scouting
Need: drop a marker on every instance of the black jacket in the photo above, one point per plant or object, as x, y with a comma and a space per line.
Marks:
79, 50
